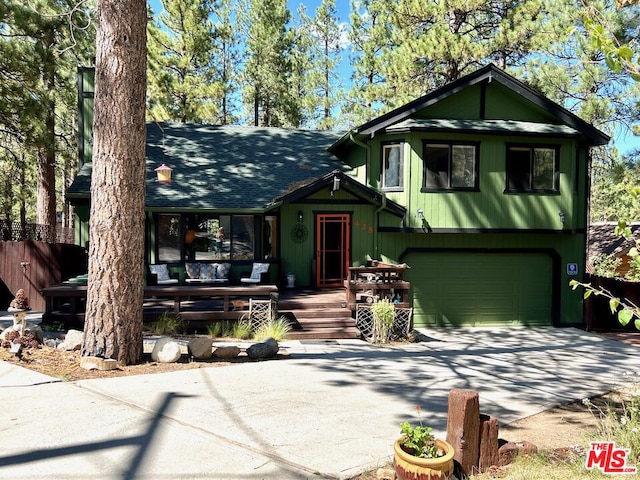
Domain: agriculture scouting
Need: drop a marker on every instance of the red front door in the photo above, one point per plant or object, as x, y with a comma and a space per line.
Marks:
333, 245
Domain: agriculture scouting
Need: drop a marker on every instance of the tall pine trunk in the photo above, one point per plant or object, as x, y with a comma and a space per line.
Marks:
113, 325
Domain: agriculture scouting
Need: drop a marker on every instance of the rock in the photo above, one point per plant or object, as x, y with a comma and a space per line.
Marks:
97, 363
200, 348
166, 350
227, 352
31, 327
266, 349
510, 450
72, 340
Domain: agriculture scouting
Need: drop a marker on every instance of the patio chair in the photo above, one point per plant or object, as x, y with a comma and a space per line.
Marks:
161, 274
259, 274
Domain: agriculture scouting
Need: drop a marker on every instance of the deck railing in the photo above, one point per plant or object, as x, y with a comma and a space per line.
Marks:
17, 232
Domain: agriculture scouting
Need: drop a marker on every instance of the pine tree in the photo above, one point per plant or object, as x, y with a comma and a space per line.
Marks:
113, 319
182, 83
266, 89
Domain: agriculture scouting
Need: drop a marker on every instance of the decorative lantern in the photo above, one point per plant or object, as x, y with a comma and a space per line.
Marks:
164, 173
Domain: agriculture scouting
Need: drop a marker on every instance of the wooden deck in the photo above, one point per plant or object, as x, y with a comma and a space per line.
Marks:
314, 314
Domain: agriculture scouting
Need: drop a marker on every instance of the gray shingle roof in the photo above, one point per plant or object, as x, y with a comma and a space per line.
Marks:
232, 168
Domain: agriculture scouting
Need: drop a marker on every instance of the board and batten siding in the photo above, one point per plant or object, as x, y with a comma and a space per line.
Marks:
565, 247
490, 206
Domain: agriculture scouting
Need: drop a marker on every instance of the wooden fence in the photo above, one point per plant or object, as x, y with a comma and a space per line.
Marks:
33, 265
597, 314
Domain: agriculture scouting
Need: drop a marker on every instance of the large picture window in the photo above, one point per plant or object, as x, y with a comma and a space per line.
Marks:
219, 237
392, 166
532, 168
450, 166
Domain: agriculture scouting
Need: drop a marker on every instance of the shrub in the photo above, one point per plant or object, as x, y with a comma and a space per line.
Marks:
274, 328
167, 324
383, 316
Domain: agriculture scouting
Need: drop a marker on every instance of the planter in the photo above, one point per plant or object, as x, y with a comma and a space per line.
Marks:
408, 467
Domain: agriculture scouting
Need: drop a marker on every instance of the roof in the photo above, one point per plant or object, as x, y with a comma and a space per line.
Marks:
488, 73
505, 127
338, 180
604, 241
224, 167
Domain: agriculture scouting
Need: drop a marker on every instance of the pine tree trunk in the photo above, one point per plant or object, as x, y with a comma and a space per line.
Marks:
113, 325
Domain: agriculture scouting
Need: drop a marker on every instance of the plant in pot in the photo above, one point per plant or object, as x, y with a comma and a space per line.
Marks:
418, 455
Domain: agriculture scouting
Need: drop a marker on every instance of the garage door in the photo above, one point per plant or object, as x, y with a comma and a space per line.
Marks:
455, 289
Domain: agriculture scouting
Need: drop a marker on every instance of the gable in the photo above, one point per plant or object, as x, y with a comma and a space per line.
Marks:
487, 94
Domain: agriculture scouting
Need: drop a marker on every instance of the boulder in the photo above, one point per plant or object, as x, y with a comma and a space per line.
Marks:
227, 352
72, 340
262, 350
200, 348
510, 450
166, 350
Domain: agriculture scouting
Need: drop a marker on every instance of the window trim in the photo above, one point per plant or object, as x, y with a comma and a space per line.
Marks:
383, 146
450, 144
555, 190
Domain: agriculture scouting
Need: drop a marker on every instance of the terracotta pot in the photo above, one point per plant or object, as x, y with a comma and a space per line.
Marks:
408, 467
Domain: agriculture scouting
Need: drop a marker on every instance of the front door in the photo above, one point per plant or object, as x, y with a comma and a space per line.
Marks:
333, 244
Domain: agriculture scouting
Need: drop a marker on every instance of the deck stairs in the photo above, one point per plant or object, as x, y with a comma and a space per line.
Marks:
317, 314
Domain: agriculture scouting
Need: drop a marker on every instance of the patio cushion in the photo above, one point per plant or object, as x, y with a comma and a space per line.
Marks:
222, 271
161, 271
193, 270
207, 270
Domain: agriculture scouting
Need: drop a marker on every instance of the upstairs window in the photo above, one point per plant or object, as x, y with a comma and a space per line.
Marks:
532, 169
392, 166
450, 166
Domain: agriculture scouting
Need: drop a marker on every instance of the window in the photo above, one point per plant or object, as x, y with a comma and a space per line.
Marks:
168, 238
532, 169
219, 237
450, 166
392, 166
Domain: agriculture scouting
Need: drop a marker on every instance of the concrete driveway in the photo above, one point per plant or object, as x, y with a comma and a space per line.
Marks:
331, 410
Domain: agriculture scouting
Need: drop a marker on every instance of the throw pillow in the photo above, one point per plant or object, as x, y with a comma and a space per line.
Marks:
193, 270
222, 272
161, 271
207, 271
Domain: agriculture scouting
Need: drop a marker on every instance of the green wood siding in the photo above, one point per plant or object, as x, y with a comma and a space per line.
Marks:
569, 248
490, 207
473, 289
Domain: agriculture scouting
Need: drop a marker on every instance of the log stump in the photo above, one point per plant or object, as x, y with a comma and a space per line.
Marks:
463, 428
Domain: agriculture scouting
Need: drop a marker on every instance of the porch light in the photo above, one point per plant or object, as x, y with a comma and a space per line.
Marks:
562, 216
164, 174
300, 216
420, 214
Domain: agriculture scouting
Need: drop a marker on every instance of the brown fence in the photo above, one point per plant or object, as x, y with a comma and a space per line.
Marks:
33, 265
597, 314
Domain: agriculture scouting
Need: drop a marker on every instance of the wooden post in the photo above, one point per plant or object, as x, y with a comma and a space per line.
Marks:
463, 428
488, 442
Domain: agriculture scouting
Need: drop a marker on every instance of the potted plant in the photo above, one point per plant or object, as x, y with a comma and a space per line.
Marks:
418, 455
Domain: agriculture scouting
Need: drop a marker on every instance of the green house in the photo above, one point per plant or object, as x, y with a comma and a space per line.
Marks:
480, 187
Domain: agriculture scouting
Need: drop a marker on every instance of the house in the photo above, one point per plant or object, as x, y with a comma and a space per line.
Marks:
480, 187
603, 241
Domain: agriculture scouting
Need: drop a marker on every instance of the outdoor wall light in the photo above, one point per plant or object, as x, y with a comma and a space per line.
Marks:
562, 216
300, 216
420, 214
336, 184
164, 173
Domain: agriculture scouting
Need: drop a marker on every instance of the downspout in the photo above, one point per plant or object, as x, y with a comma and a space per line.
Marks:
383, 205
